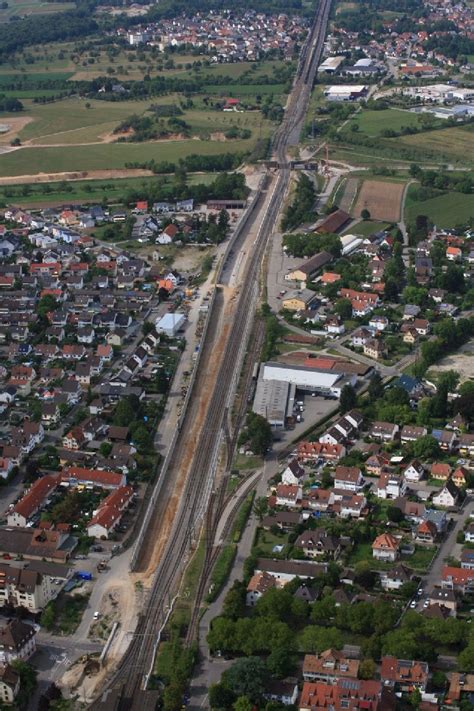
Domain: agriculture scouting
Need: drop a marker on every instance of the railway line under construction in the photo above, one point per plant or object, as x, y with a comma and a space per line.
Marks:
204, 428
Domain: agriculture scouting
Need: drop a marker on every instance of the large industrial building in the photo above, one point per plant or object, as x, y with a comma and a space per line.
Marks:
274, 400
309, 379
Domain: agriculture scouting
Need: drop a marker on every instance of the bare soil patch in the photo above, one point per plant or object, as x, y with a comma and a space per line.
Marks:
462, 362
382, 199
15, 124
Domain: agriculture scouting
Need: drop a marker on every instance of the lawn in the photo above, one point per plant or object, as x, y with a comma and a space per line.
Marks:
241, 461
266, 541
185, 602
373, 123
112, 156
445, 210
366, 228
421, 559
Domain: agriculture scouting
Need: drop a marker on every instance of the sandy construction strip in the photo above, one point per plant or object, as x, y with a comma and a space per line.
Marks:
381, 198
77, 175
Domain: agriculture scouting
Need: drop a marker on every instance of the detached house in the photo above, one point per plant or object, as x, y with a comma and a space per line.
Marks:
448, 496
390, 486
294, 473
329, 666
395, 578
414, 471
386, 547
287, 495
319, 544
348, 479
426, 533
404, 675
410, 433
384, 431
441, 471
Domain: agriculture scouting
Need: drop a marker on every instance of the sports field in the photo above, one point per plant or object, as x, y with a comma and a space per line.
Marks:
382, 199
445, 210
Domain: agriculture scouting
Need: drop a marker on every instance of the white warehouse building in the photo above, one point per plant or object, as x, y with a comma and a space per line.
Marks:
170, 324
309, 379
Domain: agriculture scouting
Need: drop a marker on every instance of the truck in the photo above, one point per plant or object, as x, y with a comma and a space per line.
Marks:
83, 575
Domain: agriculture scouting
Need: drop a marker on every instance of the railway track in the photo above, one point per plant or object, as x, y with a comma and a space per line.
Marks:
136, 665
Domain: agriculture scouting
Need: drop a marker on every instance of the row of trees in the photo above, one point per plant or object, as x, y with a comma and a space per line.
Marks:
305, 245
193, 163
301, 208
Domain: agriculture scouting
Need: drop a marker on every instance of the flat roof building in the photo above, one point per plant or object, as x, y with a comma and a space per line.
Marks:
310, 379
274, 400
170, 324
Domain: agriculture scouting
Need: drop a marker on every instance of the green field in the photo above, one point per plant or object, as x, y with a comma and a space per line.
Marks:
445, 210
373, 123
449, 144
103, 156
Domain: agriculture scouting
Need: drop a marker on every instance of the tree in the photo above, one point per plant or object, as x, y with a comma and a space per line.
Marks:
343, 308
348, 398
147, 328
367, 669
276, 603
365, 214
243, 703
426, 447
220, 697
105, 449
439, 680
258, 434
280, 662
260, 507
401, 643
394, 514
315, 640
28, 681
466, 658
376, 388
234, 601
246, 677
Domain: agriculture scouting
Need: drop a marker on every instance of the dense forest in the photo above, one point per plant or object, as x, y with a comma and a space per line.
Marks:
40, 29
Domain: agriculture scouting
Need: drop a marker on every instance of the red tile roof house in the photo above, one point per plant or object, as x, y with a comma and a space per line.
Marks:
109, 513
404, 675
426, 533
93, 477
458, 579
440, 471
329, 666
386, 547
312, 451
346, 695
32, 501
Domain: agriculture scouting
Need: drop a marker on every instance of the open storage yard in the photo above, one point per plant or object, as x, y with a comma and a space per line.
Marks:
382, 199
